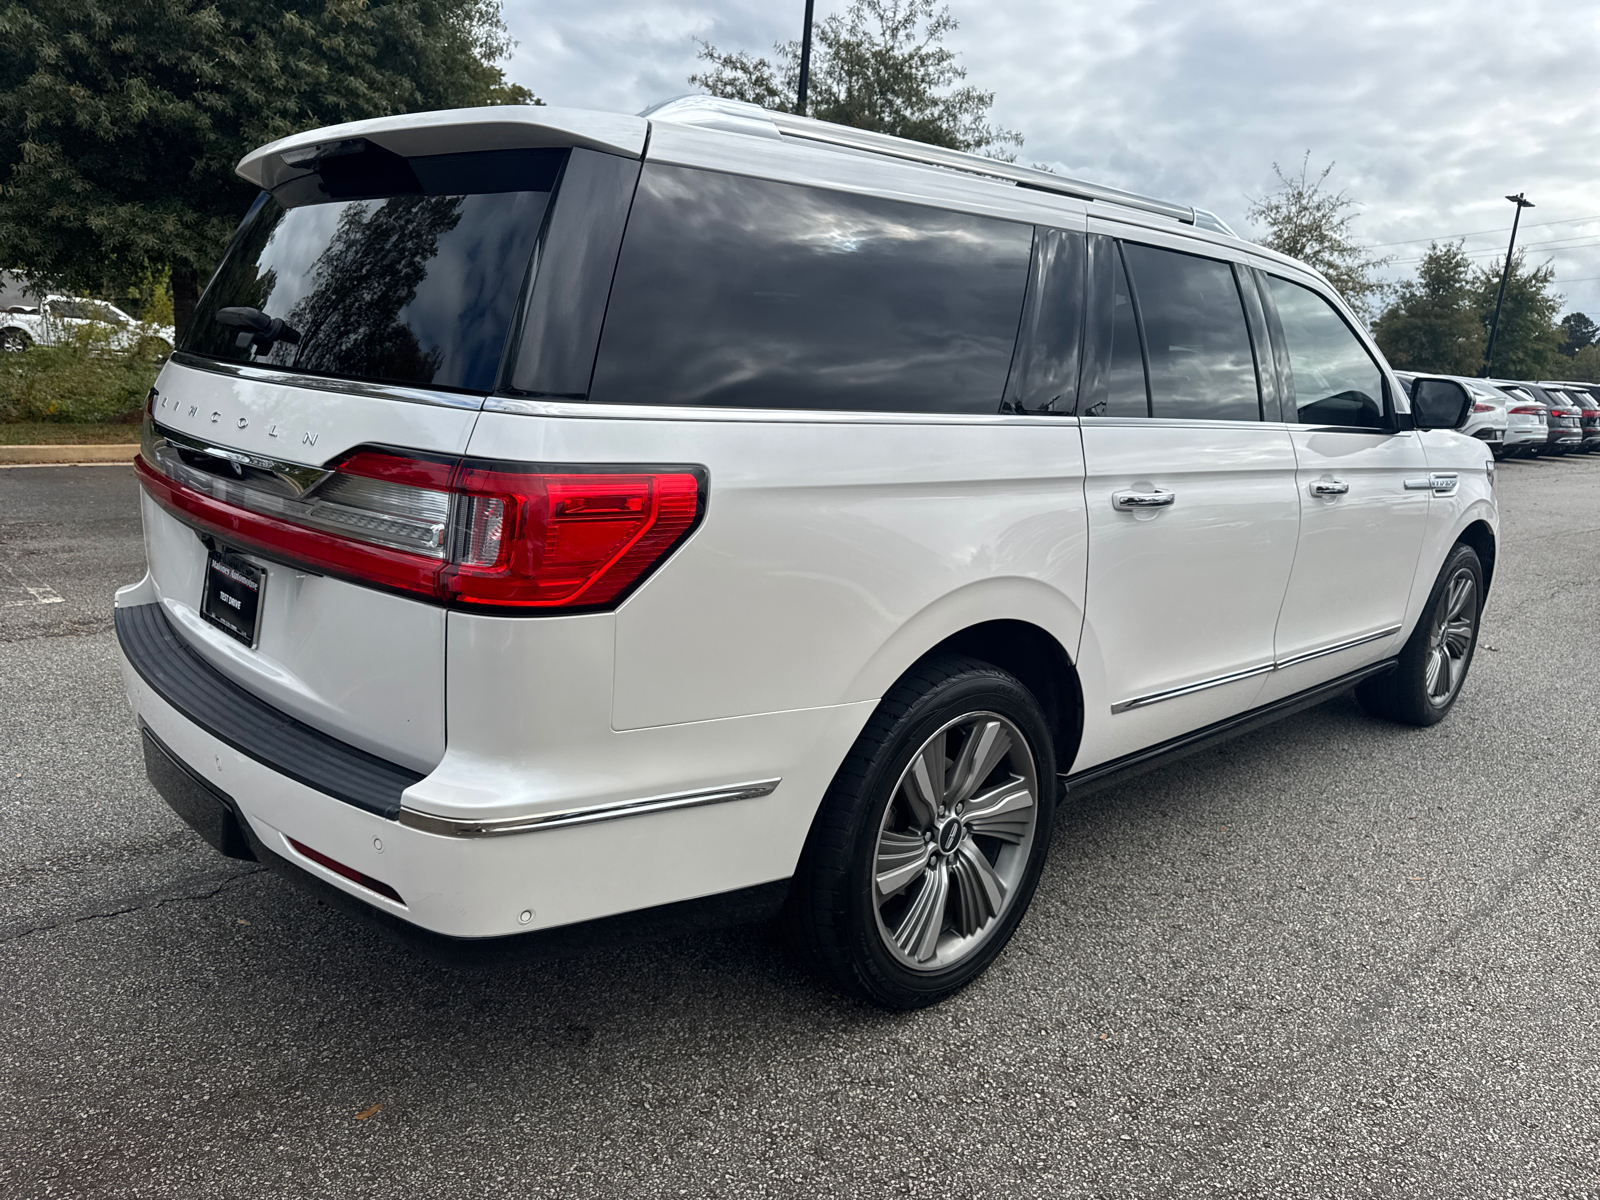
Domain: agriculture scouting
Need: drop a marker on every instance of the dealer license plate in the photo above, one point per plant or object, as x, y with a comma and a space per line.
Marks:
230, 597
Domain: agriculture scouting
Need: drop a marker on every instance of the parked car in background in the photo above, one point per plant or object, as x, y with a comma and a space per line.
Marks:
1564, 419
59, 318
1527, 423
1490, 407
1587, 397
822, 511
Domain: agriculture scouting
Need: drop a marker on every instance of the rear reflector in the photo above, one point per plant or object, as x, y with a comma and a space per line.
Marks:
463, 532
360, 878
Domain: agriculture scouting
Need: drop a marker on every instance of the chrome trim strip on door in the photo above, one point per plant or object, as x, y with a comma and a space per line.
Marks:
1203, 685
465, 827
322, 383
1338, 646
1236, 676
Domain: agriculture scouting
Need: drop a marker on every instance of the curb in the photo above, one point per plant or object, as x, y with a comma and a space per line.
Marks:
17, 455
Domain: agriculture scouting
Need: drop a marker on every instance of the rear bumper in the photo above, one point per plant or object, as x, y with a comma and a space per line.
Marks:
256, 782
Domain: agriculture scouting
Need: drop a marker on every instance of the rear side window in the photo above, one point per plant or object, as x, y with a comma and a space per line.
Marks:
1196, 340
1332, 378
744, 292
386, 268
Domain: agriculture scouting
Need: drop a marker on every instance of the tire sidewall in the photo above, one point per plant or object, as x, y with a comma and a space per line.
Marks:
980, 690
1414, 659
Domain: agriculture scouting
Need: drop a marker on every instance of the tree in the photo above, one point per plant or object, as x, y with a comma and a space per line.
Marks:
878, 66
1577, 332
1308, 222
1433, 323
1528, 345
1585, 365
121, 120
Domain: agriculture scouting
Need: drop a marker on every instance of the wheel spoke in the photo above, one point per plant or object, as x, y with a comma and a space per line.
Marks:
1002, 812
1460, 592
1436, 658
918, 934
985, 746
1457, 637
979, 891
924, 785
902, 857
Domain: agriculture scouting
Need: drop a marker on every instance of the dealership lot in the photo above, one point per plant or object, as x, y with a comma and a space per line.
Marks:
1336, 957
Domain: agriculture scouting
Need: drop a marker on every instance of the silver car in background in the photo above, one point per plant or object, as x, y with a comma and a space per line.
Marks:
1562, 417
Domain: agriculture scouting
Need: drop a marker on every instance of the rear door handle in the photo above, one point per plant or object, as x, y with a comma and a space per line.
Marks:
1329, 487
1137, 501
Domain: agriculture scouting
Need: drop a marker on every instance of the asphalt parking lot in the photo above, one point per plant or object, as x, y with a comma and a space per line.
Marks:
1334, 958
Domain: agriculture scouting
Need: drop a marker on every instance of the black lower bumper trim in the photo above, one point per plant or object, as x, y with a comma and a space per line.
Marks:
204, 809
252, 726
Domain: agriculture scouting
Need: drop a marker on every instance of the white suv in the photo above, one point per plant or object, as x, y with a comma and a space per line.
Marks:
555, 515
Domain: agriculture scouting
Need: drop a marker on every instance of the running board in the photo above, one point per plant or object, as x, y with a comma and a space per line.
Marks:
1152, 758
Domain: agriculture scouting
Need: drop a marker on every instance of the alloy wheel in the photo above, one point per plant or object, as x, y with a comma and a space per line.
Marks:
954, 841
1450, 640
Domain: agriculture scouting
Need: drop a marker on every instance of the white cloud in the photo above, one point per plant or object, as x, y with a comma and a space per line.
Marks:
1432, 111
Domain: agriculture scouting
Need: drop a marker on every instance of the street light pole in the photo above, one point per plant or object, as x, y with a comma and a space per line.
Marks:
805, 61
1522, 202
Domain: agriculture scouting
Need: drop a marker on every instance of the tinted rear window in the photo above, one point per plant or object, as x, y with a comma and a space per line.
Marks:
405, 271
1201, 363
735, 291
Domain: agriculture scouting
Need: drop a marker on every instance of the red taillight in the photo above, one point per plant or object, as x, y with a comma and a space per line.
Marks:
1483, 408
564, 540
473, 534
1528, 410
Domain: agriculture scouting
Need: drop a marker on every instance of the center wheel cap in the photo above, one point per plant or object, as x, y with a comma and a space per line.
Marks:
950, 835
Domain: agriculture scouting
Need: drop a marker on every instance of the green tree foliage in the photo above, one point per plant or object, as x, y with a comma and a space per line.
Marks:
1577, 332
1433, 323
1528, 345
878, 66
121, 120
1307, 221
1585, 365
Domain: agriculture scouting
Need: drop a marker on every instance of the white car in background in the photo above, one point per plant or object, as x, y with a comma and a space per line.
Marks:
59, 318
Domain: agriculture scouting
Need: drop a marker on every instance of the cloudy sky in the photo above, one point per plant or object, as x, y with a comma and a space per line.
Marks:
1432, 112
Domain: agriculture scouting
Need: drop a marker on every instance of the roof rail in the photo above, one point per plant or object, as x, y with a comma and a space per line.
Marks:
740, 117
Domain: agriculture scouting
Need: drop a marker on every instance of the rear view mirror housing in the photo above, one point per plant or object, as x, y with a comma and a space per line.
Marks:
1438, 403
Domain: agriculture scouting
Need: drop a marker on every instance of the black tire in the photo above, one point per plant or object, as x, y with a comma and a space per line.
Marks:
1498, 452
1410, 693
836, 913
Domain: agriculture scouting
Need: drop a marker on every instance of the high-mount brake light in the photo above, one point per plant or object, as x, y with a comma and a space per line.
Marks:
489, 536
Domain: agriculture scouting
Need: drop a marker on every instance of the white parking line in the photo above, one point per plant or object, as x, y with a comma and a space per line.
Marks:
37, 595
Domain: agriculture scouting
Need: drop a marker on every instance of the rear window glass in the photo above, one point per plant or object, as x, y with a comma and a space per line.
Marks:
736, 291
1201, 364
384, 268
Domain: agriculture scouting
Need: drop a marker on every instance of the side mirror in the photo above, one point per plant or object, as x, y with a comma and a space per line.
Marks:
1439, 403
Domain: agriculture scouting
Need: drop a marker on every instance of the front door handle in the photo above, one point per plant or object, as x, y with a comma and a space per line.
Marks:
1440, 483
1139, 501
1329, 487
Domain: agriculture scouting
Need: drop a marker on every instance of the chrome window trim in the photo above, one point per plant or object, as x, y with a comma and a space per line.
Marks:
1251, 672
472, 827
471, 401
540, 407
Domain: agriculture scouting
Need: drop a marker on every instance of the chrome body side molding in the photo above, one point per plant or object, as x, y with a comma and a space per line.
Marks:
1250, 672
464, 827
326, 383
